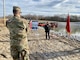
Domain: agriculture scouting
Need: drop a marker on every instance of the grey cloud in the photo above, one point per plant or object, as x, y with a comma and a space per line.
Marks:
36, 0
77, 7
50, 4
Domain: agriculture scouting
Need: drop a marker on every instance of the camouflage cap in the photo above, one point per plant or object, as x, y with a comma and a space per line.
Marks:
16, 8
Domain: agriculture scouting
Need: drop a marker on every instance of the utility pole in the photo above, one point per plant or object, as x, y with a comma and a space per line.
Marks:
4, 12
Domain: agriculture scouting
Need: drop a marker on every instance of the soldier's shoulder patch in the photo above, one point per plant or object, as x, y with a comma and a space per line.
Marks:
9, 21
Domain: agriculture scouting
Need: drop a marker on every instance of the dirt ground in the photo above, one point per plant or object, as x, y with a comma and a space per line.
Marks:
57, 48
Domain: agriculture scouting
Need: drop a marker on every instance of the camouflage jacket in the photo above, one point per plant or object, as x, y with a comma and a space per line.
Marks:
17, 28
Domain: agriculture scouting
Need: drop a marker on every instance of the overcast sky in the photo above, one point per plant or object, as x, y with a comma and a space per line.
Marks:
42, 7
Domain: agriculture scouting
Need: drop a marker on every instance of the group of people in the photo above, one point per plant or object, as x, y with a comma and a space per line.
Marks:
18, 29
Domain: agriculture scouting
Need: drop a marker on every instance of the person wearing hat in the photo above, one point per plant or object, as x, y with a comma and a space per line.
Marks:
18, 28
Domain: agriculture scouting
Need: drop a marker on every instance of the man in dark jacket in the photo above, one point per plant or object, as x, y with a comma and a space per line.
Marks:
47, 30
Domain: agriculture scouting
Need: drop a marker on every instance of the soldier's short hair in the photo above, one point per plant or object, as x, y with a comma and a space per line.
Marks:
16, 8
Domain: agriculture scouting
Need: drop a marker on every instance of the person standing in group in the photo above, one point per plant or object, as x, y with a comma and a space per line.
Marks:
47, 30
18, 28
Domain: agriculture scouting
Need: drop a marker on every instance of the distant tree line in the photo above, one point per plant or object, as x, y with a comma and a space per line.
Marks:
61, 19
52, 18
49, 18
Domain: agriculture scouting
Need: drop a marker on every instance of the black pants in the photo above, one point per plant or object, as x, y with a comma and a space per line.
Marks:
47, 35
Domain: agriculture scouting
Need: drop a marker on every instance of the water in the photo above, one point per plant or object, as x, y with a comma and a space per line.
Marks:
75, 30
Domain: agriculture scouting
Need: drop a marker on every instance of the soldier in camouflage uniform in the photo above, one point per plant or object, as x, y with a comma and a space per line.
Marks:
18, 36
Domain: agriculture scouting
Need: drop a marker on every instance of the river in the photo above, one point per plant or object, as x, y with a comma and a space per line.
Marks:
74, 27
